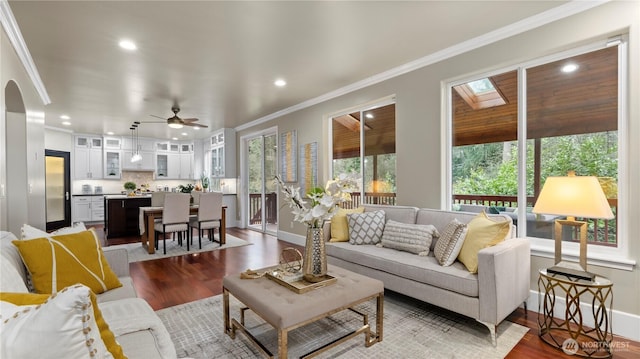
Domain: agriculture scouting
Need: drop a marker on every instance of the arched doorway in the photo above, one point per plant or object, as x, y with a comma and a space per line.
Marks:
14, 162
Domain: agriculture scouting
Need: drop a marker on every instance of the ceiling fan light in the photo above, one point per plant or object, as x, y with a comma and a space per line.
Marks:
174, 122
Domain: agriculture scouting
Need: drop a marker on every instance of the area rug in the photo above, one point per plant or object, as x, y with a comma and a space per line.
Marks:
138, 253
412, 329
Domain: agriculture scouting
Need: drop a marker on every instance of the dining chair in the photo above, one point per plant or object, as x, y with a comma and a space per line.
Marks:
196, 197
157, 198
175, 218
209, 216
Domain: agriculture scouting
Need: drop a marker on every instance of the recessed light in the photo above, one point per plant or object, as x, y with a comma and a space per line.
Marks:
569, 68
128, 45
174, 138
66, 123
110, 133
280, 83
184, 134
368, 115
64, 117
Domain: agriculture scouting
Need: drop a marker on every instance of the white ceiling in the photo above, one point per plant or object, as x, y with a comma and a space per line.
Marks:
219, 59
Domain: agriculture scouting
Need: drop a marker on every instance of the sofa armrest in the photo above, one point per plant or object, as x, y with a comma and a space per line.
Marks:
118, 259
503, 278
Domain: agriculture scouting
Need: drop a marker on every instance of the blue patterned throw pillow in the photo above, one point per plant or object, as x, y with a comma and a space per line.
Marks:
366, 228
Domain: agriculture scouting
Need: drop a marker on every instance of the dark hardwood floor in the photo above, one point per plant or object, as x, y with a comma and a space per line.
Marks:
176, 280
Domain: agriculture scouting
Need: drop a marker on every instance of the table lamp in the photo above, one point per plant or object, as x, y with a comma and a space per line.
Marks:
572, 196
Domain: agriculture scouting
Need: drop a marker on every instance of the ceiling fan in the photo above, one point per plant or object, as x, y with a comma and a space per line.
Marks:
177, 122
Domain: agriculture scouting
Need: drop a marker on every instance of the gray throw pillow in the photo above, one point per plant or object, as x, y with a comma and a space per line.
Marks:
366, 228
450, 242
413, 238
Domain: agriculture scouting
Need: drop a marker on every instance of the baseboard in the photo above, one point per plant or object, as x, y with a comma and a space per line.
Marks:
624, 324
291, 238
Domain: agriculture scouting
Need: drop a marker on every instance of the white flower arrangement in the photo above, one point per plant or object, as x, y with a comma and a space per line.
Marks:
319, 204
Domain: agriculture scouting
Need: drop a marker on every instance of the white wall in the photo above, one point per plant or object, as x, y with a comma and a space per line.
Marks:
11, 69
58, 139
419, 125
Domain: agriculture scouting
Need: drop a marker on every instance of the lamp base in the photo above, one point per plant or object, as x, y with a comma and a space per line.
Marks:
572, 273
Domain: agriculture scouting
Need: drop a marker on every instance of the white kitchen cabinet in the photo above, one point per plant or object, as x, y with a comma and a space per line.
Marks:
112, 164
147, 163
87, 157
81, 209
186, 166
173, 165
223, 149
87, 208
113, 143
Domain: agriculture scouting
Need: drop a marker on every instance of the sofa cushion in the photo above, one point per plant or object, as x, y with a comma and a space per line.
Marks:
404, 214
412, 238
136, 326
64, 326
450, 243
482, 232
426, 270
366, 228
105, 333
10, 257
60, 261
340, 226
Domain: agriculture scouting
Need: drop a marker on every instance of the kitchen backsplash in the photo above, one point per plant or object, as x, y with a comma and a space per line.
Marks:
117, 186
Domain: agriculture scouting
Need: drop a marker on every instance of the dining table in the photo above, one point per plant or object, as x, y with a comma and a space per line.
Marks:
148, 216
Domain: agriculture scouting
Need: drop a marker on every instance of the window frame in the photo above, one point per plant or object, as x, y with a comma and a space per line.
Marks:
613, 257
385, 101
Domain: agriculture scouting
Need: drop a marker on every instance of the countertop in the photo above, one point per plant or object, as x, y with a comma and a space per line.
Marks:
124, 196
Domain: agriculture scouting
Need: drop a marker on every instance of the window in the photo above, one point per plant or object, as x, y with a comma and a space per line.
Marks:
480, 94
364, 143
571, 123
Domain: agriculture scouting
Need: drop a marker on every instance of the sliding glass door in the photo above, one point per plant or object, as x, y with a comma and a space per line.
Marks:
262, 193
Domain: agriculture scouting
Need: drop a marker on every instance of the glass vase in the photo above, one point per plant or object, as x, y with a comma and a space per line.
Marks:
314, 265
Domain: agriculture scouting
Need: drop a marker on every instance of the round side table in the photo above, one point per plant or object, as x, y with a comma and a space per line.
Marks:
569, 333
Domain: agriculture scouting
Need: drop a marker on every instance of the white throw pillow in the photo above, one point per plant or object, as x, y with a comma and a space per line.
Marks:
448, 246
30, 232
62, 327
366, 228
413, 238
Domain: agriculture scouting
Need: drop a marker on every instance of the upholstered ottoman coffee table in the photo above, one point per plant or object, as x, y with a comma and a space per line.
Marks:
286, 310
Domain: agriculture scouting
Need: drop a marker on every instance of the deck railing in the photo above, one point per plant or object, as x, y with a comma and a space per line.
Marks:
370, 198
255, 208
606, 233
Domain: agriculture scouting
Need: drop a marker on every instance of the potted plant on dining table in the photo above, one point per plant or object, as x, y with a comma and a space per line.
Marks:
318, 205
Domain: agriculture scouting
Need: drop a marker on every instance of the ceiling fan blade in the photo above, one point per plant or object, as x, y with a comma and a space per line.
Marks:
193, 124
164, 118
163, 121
190, 119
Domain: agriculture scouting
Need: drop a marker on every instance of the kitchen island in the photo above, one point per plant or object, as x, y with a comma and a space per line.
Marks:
122, 213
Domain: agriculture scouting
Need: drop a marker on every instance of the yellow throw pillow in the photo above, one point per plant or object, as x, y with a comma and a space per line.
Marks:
482, 232
340, 226
109, 339
57, 262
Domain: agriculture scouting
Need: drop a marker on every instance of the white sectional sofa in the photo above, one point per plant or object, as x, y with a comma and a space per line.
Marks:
137, 329
489, 296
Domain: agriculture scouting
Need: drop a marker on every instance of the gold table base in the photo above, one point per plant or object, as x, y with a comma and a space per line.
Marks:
569, 333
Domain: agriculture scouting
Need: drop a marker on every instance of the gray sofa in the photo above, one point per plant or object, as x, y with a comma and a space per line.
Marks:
137, 328
499, 287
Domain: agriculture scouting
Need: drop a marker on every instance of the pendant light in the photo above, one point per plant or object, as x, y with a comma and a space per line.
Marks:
135, 157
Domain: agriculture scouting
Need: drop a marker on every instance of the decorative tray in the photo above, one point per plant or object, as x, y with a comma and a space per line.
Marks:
295, 282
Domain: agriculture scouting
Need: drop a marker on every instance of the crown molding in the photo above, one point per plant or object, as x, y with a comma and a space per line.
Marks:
12, 30
557, 13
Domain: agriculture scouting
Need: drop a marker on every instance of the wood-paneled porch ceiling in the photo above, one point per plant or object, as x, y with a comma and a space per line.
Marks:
559, 104
379, 134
